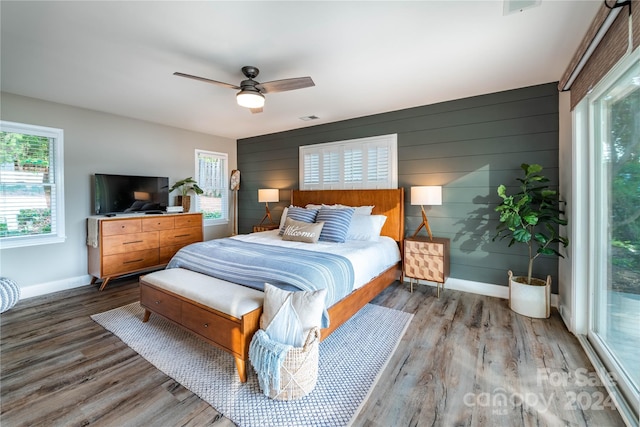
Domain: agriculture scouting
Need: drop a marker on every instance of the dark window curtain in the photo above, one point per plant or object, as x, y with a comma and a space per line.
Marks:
608, 52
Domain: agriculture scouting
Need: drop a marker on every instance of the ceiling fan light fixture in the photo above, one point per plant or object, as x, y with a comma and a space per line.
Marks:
250, 99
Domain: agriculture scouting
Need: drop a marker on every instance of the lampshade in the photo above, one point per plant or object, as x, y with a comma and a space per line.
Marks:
267, 195
426, 195
250, 99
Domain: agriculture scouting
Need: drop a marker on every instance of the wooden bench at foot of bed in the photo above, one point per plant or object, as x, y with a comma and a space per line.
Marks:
222, 313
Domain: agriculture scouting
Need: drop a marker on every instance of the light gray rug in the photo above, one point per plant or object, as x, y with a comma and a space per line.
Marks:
351, 361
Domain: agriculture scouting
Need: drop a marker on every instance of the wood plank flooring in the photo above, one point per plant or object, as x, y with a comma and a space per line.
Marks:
466, 360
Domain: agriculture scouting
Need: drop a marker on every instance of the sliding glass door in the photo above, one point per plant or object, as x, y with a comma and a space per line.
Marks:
614, 326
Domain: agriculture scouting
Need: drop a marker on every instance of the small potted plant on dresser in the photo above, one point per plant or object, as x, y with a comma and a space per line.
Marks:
185, 186
532, 217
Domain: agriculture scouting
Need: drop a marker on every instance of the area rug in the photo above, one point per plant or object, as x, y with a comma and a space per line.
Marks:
351, 361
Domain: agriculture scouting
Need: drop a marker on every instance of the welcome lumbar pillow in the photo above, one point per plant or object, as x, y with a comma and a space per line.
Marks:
299, 231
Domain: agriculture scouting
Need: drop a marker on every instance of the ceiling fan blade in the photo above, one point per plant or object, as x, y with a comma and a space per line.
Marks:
202, 79
256, 110
285, 84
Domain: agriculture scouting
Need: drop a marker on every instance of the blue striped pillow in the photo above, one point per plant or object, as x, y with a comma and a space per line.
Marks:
336, 224
300, 214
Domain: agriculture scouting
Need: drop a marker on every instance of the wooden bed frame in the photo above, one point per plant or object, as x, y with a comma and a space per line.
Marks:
234, 334
384, 202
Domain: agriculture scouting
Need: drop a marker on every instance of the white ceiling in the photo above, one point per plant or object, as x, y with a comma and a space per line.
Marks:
365, 57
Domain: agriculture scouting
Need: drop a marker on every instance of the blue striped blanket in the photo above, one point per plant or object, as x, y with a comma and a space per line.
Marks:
253, 264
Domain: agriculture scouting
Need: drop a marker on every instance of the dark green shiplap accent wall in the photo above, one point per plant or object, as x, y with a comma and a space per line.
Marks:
469, 146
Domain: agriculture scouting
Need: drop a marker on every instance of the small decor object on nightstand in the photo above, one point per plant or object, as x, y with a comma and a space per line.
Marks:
426, 259
264, 227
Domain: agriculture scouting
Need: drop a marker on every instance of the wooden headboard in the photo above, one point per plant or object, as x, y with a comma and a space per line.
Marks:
385, 202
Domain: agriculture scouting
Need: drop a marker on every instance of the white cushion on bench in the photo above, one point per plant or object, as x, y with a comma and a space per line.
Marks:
230, 298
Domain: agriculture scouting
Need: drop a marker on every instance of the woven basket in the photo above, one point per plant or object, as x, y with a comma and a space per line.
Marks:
299, 372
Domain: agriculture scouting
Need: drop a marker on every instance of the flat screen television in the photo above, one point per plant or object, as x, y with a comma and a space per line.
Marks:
130, 194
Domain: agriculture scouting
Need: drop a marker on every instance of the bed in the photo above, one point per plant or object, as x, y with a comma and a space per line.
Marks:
385, 202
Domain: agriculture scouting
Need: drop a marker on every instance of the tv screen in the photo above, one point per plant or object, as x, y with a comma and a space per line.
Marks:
130, 194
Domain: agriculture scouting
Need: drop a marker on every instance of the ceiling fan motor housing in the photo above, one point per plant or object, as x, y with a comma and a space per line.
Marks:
250, 71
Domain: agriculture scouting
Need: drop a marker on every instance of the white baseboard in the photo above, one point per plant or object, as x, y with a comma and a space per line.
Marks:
480, 288
55, 286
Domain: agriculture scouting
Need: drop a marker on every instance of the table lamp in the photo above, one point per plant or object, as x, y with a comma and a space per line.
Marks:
266, 195
426, 195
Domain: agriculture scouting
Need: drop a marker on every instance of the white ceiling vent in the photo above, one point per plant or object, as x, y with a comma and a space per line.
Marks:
513, 6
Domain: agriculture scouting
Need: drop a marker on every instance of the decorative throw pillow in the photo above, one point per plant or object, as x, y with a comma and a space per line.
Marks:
299, 231
336, 224
366, 227
300, 214
285, 327
309, 306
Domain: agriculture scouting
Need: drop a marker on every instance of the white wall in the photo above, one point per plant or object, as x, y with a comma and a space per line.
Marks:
105, 143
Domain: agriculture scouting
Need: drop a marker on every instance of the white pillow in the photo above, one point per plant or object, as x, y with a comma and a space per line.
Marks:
285, 326
283, 218
366, 227
359, 210
309, 306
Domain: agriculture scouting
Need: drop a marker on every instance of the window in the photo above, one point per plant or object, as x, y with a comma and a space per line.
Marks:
353, 164
211, 173
31, 185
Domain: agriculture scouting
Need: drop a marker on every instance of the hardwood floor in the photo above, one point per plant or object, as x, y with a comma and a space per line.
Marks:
466, 360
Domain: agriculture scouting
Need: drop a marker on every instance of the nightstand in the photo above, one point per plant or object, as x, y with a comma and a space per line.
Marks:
426, 259
264, 227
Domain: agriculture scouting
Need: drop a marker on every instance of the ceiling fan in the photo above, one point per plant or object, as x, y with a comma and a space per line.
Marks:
251, 93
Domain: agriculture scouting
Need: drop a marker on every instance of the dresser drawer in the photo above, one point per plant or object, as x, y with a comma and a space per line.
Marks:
167, 252
157, 223
123, 243
211, 326
121, 226
160, 302
129, 261
422, 247
180, 236
188, 220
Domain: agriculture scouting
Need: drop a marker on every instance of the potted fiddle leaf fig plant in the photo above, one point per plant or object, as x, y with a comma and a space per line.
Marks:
531, 217
186, 186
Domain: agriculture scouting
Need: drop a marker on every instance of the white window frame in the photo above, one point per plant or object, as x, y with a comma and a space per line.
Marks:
225, 188
584, 250
57, 234
340, 149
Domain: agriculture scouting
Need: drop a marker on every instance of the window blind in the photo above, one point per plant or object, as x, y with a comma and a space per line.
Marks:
353, 164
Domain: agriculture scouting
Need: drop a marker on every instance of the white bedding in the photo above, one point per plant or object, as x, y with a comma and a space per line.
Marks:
368, 258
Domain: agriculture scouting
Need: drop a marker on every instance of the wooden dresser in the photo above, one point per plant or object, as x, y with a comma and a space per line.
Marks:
426, 259
128, 245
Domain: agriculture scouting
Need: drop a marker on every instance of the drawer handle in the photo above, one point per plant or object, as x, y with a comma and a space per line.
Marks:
135, 241
133, 260
182, 235
157, 302
206, 325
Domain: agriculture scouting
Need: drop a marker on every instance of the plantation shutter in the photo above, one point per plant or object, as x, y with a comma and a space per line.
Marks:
353, 164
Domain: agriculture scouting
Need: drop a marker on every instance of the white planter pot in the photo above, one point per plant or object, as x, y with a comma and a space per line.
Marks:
530, 300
